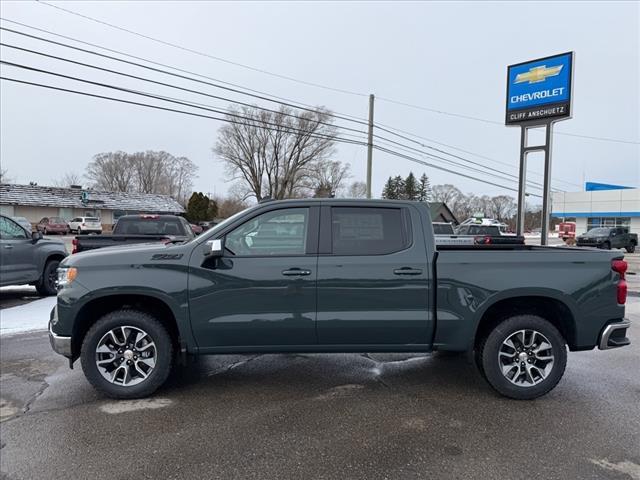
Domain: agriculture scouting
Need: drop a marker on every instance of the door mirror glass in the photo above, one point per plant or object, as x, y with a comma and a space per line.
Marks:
214, 248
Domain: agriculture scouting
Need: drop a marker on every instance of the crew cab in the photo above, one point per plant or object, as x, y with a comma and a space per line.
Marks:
608, 238
327, 276
131, 229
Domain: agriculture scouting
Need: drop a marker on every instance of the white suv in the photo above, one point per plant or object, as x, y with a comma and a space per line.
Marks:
82, 225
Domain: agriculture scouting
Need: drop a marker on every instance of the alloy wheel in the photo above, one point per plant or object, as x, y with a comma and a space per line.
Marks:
526, 358
126, 355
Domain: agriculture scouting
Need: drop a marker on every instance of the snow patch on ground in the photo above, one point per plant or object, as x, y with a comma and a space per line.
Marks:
123, 406
28, 317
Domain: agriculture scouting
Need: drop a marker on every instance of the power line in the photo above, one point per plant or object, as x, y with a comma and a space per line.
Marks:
389, 100
393, 130
416, 160
229, 114
203, 54
210, 108
217, 97
173, 110
258, 94
158, 97
493, 122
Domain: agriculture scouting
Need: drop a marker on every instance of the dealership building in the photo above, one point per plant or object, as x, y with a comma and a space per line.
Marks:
600, 205
35, 202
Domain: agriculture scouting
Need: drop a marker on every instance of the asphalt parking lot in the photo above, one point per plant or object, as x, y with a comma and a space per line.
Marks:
354, 416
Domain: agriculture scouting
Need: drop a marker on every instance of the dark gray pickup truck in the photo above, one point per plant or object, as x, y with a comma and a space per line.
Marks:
132, 229
336, 276
608, 238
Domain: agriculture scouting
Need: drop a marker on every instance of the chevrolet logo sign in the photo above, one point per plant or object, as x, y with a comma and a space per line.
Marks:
538, 74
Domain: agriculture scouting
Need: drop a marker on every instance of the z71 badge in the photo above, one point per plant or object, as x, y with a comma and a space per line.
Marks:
167, 256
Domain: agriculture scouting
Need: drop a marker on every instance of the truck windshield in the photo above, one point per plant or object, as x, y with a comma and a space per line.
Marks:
599, 231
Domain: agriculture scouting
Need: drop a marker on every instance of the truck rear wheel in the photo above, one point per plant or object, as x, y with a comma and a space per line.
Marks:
631, 248
524, 357
127, 354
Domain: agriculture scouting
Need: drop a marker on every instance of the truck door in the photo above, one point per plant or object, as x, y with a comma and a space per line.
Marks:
18, 263
262, 292
373, 277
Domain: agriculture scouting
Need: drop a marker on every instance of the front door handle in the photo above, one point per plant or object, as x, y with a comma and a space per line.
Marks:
407, 271
8, 246
296, 272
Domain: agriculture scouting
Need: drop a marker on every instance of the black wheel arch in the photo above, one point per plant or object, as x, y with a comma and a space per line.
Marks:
549, 308
95, 309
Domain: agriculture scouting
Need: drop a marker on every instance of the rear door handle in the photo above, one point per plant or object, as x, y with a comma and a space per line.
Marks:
296, 272
407, 271
8, 246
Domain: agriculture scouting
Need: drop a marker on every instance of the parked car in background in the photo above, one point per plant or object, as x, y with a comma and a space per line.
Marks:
131, 229
82, 225
26, 257
23, 222
50, 225
207, 225
609, 237
197, 229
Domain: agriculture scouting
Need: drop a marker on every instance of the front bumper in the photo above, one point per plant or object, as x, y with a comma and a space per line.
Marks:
614, 335
59, 343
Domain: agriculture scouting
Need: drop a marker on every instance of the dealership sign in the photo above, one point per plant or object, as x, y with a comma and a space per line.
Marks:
540, 90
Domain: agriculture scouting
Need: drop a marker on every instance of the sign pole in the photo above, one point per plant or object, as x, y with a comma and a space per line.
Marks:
546, 189
522, 182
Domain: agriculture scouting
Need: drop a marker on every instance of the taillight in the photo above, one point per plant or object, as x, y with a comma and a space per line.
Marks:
620, 267
74, 244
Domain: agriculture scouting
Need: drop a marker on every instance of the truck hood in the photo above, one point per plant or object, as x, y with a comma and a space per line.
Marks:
127, 254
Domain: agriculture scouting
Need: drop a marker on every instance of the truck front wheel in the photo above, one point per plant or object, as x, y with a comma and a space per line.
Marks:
524, 357
127, 354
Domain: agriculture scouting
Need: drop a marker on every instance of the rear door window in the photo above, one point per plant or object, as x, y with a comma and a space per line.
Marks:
368, 230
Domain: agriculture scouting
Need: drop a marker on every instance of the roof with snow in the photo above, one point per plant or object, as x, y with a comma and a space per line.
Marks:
37, 196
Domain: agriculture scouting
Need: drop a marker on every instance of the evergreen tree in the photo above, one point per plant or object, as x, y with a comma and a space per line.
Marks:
398, 187
411, 187
425, 192
200, 208
389, 190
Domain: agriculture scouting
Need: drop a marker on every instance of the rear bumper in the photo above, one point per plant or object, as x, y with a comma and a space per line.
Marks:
614, 335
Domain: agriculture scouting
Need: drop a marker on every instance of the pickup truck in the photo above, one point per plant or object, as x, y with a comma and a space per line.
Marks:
25, 257
327, 276
608, 238
131, 229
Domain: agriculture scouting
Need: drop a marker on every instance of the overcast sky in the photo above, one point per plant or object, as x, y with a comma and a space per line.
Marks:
450, 57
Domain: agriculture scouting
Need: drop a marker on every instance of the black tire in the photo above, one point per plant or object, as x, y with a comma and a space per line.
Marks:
144, 321
631, 248
606, 245
46, 285
491, 366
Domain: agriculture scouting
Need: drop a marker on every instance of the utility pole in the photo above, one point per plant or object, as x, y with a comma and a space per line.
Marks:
370, 145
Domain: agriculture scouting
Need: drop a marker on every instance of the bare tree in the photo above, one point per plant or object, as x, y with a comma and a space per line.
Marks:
3, 176
327, 177
111, 171
445, 193
503, 207
272, 154
146, 172
357, 190
230, 205
68, 179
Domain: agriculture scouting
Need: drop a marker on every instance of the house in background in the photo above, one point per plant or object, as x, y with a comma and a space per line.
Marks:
441, 213
36, 202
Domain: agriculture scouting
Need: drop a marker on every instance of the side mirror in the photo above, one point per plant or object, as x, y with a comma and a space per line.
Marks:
214, 248
35, 236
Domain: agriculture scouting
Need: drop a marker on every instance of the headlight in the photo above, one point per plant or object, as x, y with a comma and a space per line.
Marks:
66, 276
